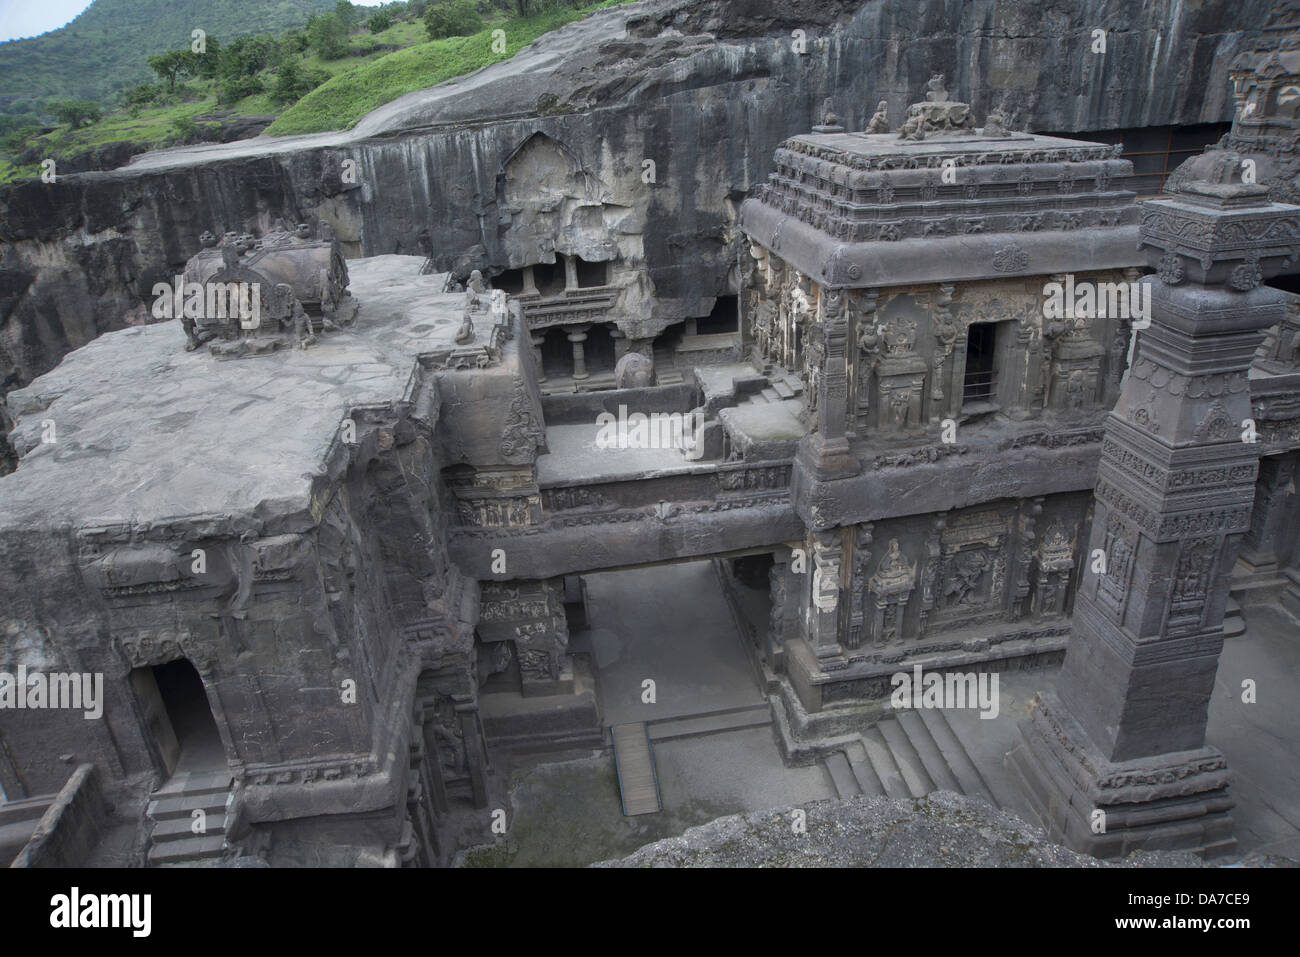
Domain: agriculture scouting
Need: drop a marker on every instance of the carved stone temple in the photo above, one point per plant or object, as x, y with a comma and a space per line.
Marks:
962, 404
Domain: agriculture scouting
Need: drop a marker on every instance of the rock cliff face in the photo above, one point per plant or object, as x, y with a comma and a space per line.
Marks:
704, 92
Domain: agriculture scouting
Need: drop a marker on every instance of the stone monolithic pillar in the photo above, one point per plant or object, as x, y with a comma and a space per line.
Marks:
1116, 759
578, 335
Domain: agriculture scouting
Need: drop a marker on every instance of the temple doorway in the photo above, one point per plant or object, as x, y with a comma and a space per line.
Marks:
178, 717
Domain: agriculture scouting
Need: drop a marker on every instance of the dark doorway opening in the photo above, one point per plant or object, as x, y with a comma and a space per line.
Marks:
725, 317
980, 385
185, 703
598, 350
592, 274
512, 281
549, 279
557, 353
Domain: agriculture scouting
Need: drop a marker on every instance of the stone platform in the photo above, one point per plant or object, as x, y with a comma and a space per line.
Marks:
144, 431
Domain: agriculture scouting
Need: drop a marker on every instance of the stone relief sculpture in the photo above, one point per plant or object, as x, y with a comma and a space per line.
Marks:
880, 119
890, 588
965, 571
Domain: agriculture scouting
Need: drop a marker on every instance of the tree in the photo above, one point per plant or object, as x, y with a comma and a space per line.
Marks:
292, 82
379, 22
452, 18
233, 88
327, 36
172, 65
346, 13
140, 94
208, 63
77, 113
246, 56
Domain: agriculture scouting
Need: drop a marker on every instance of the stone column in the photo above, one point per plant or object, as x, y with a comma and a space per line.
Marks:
537, 339
530, 283
1116, 758
828, 446
621, 343
823, 614
570, 272
578, 335
1273, 497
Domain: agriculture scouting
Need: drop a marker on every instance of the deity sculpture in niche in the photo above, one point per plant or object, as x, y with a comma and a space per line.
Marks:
945, 334
964, 573
868, 357
1055, 563
900, 376
890, 588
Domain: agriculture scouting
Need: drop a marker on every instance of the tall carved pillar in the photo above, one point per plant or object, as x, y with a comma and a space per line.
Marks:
1024, 556
783, 586
858, 585
1116, 758
870, 344
530, 282
570, 272
945, 335
824, 599
828, 446
577, 336
930, 577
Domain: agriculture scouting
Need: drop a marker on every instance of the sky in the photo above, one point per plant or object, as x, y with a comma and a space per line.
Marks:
28, 18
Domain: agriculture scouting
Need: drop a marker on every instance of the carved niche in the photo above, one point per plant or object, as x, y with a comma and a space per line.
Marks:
1197, 560
1055, 563
900, 373
890, 589
972, 570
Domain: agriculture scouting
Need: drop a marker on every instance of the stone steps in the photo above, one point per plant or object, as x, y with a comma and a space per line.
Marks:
837, 767
907, 755
958, 761
1233, 622
172, 840
779, 388
714, 722
189, 850
883, 763
865, 774
666, 372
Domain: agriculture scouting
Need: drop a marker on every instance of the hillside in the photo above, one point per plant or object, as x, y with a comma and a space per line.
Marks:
105, 49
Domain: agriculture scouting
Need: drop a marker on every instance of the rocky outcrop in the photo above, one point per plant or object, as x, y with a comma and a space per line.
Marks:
942, 829
702, 92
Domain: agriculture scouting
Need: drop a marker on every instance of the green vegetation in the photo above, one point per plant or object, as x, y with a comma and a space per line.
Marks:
106, 49
452, 18
343, 100
338, 63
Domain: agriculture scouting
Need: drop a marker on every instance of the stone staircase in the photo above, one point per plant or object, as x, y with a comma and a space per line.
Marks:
666, 372
171, 809
908, 755
713, 722
779, 388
